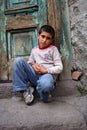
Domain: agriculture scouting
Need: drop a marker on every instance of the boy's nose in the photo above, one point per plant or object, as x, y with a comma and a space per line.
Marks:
44, 39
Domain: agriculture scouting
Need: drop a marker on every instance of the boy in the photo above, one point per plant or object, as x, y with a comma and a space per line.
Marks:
41, 69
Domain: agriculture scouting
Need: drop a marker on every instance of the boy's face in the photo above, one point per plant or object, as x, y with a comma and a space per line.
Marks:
44, 39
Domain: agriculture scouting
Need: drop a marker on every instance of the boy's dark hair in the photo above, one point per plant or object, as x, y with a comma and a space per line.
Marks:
47, 28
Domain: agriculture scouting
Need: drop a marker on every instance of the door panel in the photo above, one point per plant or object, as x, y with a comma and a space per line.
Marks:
17, 3
20, 42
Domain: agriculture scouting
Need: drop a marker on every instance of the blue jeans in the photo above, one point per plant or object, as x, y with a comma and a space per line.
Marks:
23, 73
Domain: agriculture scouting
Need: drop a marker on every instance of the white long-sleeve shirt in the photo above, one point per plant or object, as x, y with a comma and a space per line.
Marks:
48, 57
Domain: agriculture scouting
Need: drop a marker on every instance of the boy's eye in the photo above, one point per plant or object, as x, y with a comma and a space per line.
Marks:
48, 38
43, 36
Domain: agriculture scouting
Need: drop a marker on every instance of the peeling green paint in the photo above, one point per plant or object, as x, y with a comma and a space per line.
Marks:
64, 50
66, 39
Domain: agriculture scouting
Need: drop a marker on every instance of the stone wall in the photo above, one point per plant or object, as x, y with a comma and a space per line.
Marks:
78, 23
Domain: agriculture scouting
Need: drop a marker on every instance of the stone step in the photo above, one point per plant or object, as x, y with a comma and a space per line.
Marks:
6, 90
63, 88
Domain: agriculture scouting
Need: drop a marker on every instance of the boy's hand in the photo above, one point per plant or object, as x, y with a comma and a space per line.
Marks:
39, 68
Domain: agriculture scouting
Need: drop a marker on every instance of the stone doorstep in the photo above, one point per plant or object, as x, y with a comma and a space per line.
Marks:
63, 88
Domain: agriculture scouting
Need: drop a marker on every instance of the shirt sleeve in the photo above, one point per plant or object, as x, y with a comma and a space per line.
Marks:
31, 59
58, 66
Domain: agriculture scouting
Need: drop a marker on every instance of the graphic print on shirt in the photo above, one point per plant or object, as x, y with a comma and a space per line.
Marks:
46, 57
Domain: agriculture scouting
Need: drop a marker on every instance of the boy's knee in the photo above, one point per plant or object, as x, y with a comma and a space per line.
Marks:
47, 86
18, 60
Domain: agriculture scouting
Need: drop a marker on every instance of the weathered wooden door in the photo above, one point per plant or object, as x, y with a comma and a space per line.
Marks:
19, 23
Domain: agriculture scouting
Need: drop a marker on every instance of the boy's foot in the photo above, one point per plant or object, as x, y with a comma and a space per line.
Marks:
49, 99
28, 95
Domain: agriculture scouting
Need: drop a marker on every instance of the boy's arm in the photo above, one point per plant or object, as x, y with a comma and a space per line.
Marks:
56, 69
31, 59
58, 66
